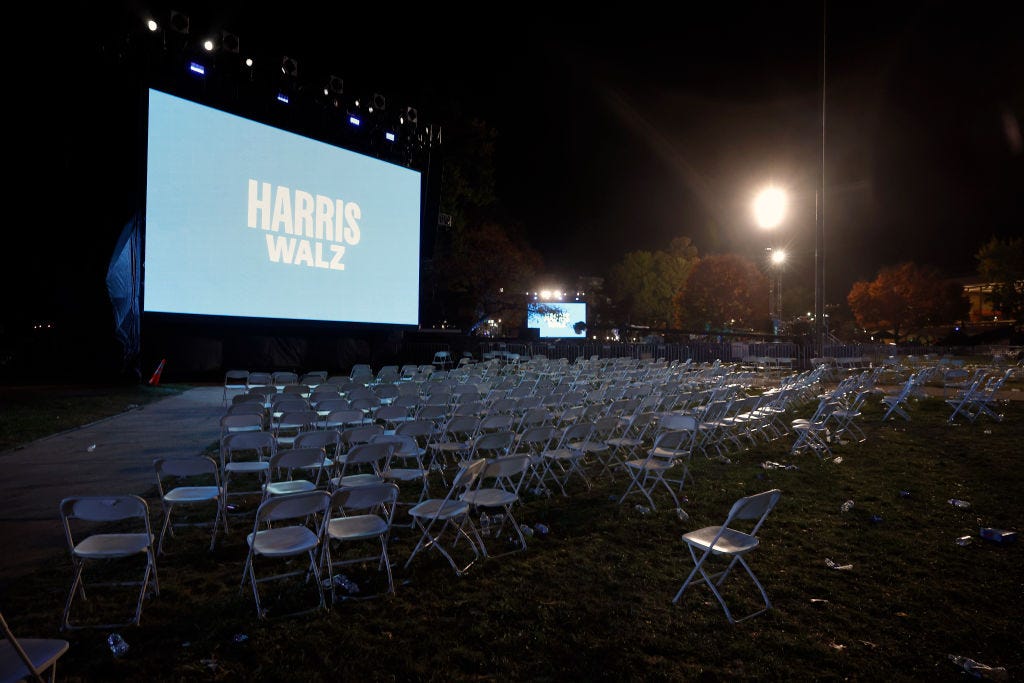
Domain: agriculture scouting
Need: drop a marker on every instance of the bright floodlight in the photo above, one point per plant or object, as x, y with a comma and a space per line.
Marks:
152, 25
778, 257
770, 207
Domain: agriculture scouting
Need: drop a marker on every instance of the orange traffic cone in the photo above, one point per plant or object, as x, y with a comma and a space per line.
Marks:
155, 379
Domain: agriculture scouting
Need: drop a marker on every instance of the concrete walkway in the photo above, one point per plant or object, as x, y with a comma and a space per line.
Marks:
114, 455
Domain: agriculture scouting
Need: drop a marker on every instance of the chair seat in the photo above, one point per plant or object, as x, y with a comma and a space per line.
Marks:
439, 509
283, 488
43, 652
356, 527
490, 498
113, 545
193, 494
405, 474
355, 480
731, 543
623, 442
283, 541
562, 454
651, 465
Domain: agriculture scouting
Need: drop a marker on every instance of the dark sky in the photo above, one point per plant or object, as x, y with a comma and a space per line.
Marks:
619, 129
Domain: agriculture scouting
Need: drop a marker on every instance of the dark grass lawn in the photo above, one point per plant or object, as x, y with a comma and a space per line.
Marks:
591, 600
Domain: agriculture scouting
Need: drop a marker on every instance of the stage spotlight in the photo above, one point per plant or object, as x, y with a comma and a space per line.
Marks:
281, 97
152, 26
336, 85
289, 67
196, 68
208, 45
229, 41
389, 136
379, 101
354, 120
179, 22
248, 62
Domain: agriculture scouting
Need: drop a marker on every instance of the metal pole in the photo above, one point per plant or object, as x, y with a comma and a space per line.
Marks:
819, 210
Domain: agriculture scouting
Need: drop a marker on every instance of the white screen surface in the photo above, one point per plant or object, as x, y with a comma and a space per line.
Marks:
243, 219
557, 319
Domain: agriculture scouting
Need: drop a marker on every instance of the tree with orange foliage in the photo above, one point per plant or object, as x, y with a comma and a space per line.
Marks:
905, 299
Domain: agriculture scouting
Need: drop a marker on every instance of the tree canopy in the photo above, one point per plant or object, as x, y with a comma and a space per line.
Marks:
725, 290
645, 282
906, 298
1001, 262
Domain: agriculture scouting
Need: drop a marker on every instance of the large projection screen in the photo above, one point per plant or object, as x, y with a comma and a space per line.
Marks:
247, 220
557, 320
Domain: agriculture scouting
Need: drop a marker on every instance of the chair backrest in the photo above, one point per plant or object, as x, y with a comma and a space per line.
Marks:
754, 507
492, 444
104, 508
365, 499
292, 459
262, 443
507, 471
197, 466
293, 506
371, 453
328, 439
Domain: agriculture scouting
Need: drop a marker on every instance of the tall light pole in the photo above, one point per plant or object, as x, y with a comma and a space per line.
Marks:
819, 211
770, 207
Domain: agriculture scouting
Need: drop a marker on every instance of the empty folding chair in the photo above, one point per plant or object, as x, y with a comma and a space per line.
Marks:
185, 492
286, 527
235, 381
91, 515
356, 516
295, 470
246, 454
363, 464
672, 450
498, 490
726, 542
566, 458
444, 521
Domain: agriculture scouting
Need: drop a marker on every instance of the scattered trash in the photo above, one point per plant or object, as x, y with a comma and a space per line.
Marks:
613, 497
957, 503
964, 540
772, 465
904, 494
682, 514
837, 646
117, 645
836, 460
846, 507
91, 448
526, 529
988, 431
186, 644
979, 670
998, 535
819, 601
642, 509
541, 529
485, 524
875, 519
239, 638
832, 565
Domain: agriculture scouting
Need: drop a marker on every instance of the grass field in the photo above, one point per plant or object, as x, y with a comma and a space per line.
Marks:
591, 600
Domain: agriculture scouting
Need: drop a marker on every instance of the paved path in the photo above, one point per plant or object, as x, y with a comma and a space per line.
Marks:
38, 476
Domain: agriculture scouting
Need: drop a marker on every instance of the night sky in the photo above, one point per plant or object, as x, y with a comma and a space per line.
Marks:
618, 129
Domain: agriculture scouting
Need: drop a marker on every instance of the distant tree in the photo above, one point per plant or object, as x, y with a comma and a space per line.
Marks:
644, 282
481, 266
1001, 262
725, 290
487, 274
905, 299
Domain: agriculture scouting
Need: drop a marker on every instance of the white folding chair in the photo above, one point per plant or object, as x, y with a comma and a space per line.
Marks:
732, 544
504, 477
897, 403
438, 518
235, 380
24, 658
672, 448
246, 454
566, 458
185, 493
365, 513
100, 544
286, 527
295, 470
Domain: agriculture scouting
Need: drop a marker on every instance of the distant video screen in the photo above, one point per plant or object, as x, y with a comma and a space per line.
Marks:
558, 320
